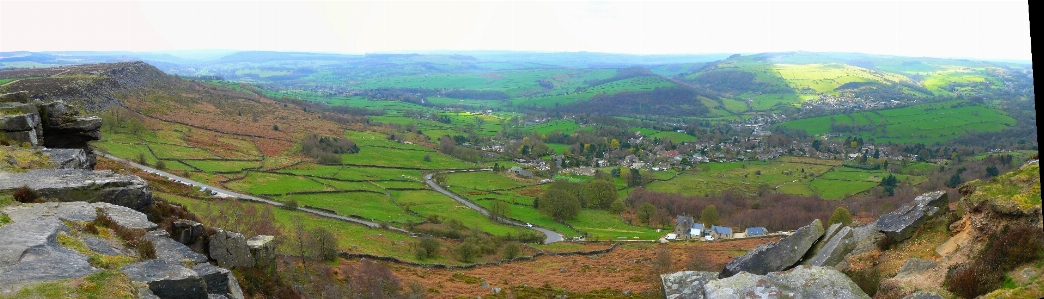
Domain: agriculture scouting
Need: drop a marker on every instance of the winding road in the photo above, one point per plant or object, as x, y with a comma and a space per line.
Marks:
550, 236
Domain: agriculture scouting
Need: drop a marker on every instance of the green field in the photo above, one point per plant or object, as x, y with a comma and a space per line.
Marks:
925, 123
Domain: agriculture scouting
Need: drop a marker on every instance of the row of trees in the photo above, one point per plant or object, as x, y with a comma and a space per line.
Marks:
327, 150
564, 200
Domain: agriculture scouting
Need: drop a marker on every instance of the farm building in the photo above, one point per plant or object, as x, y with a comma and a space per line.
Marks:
697, 230
682, 226
756, 231
720, 232
520, 172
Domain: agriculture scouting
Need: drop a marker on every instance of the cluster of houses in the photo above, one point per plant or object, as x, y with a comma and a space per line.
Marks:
687, 229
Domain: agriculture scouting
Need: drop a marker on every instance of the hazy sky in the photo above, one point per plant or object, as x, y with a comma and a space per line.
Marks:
988, 30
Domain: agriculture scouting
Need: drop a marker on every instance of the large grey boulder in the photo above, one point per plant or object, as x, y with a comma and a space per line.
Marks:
68, 158
776, 256
263, 249
81, 212
29, 253
170, 250
167, 279
800, 282
83, 185
835, 249
686, 284
230, 250
901, 223
220, 281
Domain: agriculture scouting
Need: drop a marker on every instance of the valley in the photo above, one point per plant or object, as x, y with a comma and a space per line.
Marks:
464, 174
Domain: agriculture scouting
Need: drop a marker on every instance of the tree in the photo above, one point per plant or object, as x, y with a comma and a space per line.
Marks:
615, 172
614, 144
816, 144
324, 244
645, 212
636, 178
499, 209
428, 247
141, 159
161, 165
709, 216
559, 205
954, 181
992, 171
618, 206
427, 158
275, 127
511, 250
466, 252
600, 194
290, 204
841, 216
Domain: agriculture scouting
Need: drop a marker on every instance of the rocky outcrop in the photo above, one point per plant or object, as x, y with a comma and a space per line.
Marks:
53, 124
901, 223
30, 253
188, 232
168, 249
220, 281
230, 250
800, 282
68, 158
686, 284
263, 249
776, 256
835, 249
168, 279
82, 185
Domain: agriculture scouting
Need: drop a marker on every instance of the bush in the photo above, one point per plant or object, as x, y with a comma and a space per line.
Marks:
466, 252
161, 165
146, 250
511, 250
290, 204
841, 216
970, 280
24, 194
1006, 250
617, 207
428, 247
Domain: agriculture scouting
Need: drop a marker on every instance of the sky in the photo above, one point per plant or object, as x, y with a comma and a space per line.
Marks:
982, 30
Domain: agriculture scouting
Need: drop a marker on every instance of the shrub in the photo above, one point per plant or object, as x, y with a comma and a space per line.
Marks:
428, 247
970, 280
161, 165
466, 252
146, 250
840, 215
1010, 248
290, 204
511, 250
24, 194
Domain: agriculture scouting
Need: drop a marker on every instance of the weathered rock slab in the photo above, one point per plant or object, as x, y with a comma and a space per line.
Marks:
901, 223
686, 284
263, 249
167, 279
68, 158
835, 249
800, 282
220, 281
69, 185
29, 252
170, 250
81, 212
230, 250
99, 246
915, 266
777, 256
